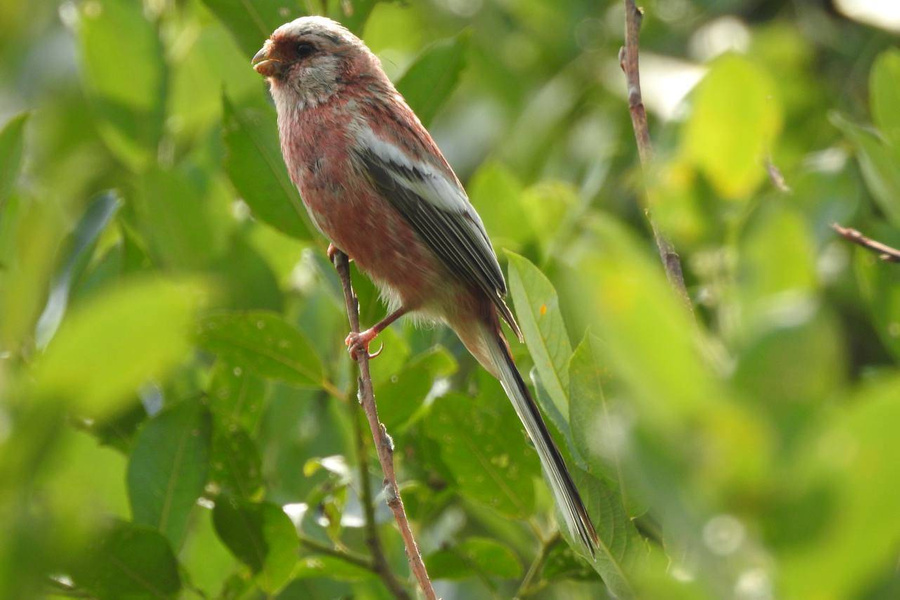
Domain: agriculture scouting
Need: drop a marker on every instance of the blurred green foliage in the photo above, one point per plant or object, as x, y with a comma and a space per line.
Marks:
177, 409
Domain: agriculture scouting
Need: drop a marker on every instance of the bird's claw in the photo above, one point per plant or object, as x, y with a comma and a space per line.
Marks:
357, 342
332, 251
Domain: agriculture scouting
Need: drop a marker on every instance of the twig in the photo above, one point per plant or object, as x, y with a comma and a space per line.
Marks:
776, 178
384, 446
884, 252
526, 588
348, 557
373, 540
628, 60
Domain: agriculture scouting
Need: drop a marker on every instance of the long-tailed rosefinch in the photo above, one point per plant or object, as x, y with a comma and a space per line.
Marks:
376, 184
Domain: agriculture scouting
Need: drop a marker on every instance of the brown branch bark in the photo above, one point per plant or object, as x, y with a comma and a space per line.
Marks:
384, 446
379, 560
628, 60
884, 252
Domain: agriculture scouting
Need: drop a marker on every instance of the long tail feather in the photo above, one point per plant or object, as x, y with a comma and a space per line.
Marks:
564, 491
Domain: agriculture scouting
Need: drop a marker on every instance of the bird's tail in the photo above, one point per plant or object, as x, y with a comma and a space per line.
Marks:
564, 491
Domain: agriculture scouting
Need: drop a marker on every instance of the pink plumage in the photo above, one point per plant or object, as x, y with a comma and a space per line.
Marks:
377, 186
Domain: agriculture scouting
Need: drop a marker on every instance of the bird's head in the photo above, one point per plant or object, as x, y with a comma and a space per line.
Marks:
307, 60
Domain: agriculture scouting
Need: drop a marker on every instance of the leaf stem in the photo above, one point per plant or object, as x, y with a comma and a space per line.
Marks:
528, 587
884, 252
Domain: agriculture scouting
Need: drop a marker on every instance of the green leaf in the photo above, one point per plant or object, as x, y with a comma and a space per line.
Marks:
132, 562
252, 22
733, 124
125, 77
236, 395
650, 342
854, 464
884, 93
168, 469
176, 220
474, 555
263, 343
79, 249
776, 268
880, 165
880, 287
403, 395
254, 164
497, 196
236, 464
537, 310
482, 444
429, 81
620, 544
331, 567
117, 341
261, 536
596, 433
12, 145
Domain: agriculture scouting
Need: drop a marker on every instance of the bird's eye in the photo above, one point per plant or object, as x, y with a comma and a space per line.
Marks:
304, 49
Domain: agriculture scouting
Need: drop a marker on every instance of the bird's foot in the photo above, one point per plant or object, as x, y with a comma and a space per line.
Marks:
359, 342
332, 250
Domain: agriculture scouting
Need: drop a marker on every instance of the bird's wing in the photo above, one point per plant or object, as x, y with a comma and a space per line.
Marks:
437, 208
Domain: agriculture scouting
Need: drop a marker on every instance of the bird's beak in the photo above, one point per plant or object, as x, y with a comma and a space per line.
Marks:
265, 65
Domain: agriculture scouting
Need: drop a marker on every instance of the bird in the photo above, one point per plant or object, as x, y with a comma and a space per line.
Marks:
376, 185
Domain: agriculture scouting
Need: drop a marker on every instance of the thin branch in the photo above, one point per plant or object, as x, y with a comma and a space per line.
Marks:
776, 178
884, 252
348, 557
628, 60
384, 446
372, 538
528, 587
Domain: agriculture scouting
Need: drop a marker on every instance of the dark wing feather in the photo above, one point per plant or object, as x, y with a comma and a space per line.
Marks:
455, 233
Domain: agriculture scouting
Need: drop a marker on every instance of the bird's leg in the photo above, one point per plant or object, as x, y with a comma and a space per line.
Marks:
360, 341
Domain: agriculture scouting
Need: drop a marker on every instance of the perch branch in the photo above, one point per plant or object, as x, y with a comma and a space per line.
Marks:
384, 446
628, 60
379, 561
884, 252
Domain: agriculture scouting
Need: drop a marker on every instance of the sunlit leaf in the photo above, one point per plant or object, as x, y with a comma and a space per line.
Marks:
431, 79
261, 536
537, 310
474, 555
168, 468
733, 125
483, 445
111, 345
130, 561
125, 77
253, 162
263, 343
11, 149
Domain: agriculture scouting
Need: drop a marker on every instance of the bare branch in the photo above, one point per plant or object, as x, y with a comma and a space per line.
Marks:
384, 446
379, 561
628, 60
884, 252
776, 178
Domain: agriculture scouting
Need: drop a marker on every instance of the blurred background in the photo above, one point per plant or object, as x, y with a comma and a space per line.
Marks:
177, 409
